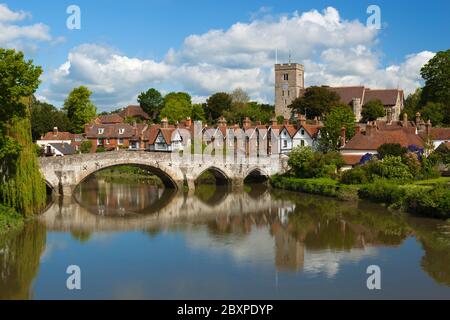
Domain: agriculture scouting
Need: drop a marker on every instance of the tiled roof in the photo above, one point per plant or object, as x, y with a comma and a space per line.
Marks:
351, 159
134, 111
58, 136
110, 131
387, 96
312, 129
348, 93
377, 138
110, 119
440, 133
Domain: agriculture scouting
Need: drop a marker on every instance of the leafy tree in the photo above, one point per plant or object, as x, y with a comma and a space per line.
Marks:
79, 108
151, 102
435, 112
239, 96
299, 160
217, 104
436, 74
198, 112
412, 104
253, 110
86, 146
280, 119
177, 106
372, 110
316, 102
391, 149
44, 117
340, 117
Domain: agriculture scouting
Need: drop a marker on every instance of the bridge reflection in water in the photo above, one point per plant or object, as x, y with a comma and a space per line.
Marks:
257, 243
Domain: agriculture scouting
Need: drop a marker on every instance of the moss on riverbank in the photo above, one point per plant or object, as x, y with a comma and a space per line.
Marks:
430, 200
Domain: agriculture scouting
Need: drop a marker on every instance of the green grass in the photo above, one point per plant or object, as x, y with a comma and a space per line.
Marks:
433, 182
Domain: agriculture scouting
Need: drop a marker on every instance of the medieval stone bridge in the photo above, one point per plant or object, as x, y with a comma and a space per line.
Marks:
64, 174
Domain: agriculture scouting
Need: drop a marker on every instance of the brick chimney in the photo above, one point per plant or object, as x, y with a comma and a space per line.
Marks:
343, 140
316, 121
222, 122
273, 122
301, 120
369, 129
285, 121
357, 129
188, 122
418, 120
247, 123
55, 131
164, 123
428, 129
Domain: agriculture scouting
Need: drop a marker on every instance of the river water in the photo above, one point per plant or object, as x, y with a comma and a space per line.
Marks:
139, 241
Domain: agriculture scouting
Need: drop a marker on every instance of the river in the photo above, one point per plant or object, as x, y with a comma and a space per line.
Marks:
140, 241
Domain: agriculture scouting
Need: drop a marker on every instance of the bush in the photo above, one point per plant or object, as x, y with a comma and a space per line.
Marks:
357, 175
391, 149
382, 191
305, 163
432, 202
86, 146
9, 219
100, 149
300, 159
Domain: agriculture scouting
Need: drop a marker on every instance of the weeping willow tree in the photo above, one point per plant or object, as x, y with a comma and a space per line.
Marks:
22, 186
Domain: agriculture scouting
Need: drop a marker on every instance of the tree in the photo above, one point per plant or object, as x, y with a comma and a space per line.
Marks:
372, 110
239, 96
339, 117
79, 108
316, 102
177, 106
198, 112
44, 117
151, 102
299, 160
436, 74
86, 146
435, 112
412, 103
217, 104
391, 149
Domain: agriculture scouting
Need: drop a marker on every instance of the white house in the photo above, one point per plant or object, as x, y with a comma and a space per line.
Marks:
167, 140
307, 136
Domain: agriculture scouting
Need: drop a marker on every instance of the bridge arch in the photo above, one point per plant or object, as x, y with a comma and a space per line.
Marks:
222, 178
256, 174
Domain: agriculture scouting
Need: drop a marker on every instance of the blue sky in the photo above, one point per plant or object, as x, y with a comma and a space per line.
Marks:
124, 47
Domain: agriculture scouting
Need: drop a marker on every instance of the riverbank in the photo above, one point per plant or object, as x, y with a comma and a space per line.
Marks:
129, 173
430, 198
10, 220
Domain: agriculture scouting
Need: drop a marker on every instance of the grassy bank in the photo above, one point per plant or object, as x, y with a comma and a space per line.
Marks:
9, 219
430, 198
129, 173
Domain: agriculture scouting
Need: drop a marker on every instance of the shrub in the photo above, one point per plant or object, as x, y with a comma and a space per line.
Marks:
305, 163
382, 191
357, 175
299, 161
433, 202
86, 146
100, 149
9, 219
391, 149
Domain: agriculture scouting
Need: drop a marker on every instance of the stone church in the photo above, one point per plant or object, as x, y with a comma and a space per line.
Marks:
290, 84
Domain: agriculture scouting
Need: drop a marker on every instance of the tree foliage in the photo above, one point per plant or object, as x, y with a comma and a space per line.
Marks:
44, 117
372, 110
79, 108
436, 74
151, 102
391, 149
217, 104
339, 117
177, 106
315, 102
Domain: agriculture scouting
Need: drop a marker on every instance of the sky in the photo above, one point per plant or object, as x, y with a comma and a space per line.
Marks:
207, 46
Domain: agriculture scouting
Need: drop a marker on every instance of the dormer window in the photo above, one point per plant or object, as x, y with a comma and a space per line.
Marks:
101, 130
121, 131
302, 132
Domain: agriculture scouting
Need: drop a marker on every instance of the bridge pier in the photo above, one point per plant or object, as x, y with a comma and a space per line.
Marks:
237, 184
67, 190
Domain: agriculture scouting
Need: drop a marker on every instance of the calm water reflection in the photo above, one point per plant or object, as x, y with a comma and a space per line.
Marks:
140, 241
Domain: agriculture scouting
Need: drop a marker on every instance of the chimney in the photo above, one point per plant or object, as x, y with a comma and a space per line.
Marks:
343, 136
418, 118
222, 122
369, 129
428, 129
301, 120
247, 123
405, 119
258, 123
286, 121
357, 129
273, 122
164, 123
316, 121
55, 131
188, 122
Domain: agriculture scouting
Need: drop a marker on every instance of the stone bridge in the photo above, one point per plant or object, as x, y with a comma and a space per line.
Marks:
64, 174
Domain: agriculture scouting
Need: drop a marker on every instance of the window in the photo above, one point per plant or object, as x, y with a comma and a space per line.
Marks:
288, 93
101, 130
284, 143
286, 76
107, 141
120, 141
302, 132
302, 143
99, 141
121, 131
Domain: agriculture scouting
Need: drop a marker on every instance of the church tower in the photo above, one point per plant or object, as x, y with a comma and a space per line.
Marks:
289, 81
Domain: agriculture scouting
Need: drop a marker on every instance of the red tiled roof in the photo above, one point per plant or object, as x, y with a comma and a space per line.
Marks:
351, 159
110, 131
110, 119
58, 136
377, 138
312, 129
134, 111
291, 129
440, 133
348, 93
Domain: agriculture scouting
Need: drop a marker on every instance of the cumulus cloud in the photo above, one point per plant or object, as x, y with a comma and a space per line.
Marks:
335, 51
13, 34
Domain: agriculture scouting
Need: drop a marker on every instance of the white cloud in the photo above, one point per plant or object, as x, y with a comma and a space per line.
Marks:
334, 51
21, 37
